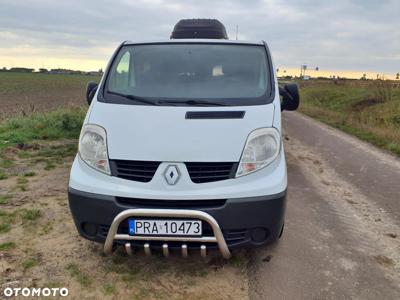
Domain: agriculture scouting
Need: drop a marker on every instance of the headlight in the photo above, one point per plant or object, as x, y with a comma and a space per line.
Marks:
93, 147
262, 147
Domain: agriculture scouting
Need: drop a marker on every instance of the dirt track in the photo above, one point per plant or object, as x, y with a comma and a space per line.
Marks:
342, 234
341, 240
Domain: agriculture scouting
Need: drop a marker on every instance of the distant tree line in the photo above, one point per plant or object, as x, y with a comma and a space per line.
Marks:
21, 70
51, 71
336, 77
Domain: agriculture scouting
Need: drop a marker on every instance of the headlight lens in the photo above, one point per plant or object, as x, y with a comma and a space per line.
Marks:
93, 147
262, 147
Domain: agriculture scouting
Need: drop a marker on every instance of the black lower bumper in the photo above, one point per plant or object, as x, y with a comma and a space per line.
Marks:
245, 222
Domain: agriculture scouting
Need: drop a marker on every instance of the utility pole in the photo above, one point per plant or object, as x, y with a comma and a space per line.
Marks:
304, 68
237, 31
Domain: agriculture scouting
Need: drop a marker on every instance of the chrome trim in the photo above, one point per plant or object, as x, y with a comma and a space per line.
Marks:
168, 213
147, 249
165, 250
128, 249
203, 251
175, 173
205, 239
184, 250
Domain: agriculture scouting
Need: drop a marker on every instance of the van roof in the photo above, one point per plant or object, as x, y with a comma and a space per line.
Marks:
195, 41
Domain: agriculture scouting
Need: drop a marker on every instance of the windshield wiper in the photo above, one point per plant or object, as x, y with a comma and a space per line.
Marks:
177, 102
135, 98
193, 102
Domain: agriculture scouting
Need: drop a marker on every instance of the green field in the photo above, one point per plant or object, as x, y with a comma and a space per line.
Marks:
24, 93
369, 110
25, 84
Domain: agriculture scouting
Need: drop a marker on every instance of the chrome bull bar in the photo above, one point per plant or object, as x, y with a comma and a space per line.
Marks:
167, 213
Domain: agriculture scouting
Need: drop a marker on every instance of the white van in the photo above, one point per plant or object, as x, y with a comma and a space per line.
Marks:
181, 148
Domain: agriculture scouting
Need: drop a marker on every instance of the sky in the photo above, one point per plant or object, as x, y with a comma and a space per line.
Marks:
341, 37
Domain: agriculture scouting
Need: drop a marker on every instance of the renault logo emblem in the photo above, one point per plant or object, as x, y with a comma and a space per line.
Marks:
172, 174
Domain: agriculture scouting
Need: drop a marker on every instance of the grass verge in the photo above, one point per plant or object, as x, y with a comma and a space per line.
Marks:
369, 111
61, 124
46, 138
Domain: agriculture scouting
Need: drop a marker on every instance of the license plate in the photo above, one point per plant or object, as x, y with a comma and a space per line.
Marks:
164, 227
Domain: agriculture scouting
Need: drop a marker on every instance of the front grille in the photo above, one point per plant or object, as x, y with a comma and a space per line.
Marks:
184, 204
142, 171
201, 172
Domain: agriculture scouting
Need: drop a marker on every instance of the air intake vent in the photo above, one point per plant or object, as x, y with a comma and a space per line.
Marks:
185, 204
201, 172
199, 29
142, 171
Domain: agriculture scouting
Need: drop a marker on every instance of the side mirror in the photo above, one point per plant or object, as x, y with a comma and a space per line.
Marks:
290, 97
91, 89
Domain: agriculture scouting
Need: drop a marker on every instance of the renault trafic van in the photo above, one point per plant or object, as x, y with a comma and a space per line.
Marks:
181, 148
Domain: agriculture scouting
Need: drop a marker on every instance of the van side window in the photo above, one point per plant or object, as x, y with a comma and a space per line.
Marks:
120, 79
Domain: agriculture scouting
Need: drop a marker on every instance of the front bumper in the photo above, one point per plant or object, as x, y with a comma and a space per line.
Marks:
244, 222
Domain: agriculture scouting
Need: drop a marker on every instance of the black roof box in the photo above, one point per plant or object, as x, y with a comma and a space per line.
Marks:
199, 29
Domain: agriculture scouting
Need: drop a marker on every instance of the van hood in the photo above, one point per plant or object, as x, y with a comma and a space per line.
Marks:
162, 133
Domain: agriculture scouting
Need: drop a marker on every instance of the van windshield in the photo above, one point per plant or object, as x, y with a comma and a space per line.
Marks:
178, 73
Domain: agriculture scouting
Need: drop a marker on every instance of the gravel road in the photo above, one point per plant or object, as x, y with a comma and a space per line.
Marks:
342, 231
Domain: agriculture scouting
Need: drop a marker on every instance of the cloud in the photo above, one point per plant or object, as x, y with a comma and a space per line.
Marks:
340, 35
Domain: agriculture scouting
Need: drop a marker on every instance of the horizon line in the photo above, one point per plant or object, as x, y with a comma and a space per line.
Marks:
281, 72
